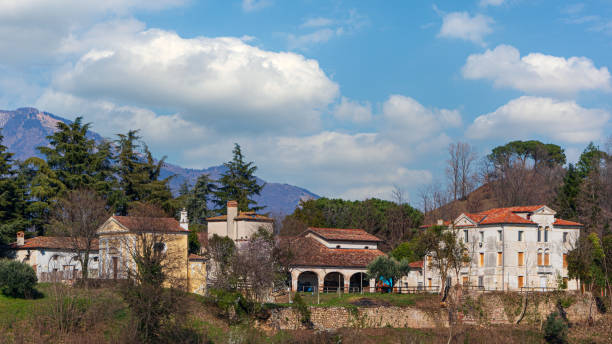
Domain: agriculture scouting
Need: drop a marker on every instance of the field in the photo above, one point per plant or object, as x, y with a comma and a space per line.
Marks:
74, 315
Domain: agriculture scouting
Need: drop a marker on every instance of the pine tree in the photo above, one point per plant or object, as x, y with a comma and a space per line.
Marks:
77, 160
198, 198
139, 175
12, 198
567, 197
238, 183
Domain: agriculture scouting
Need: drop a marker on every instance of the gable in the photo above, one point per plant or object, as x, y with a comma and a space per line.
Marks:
464, 220
545, 211
111, 226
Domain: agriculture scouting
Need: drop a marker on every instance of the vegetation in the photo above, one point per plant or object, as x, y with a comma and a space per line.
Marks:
388, 270
238, 183
555, 329
17, 279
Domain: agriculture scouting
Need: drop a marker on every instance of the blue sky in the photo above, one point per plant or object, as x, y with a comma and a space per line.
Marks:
345, 98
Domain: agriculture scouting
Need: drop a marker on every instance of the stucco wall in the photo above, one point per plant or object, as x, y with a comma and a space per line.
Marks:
197, 277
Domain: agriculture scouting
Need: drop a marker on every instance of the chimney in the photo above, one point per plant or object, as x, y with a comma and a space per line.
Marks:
184, 222
440, 222
232, 212
20, 238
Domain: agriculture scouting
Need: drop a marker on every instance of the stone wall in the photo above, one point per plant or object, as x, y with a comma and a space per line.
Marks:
477, 309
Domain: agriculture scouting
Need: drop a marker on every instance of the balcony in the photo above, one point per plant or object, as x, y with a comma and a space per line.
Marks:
545, 269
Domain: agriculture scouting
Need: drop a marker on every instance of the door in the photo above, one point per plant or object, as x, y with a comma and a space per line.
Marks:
543, 282
115, 263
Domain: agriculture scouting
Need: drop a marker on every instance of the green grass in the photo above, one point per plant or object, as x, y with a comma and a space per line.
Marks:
347, 300
13, 309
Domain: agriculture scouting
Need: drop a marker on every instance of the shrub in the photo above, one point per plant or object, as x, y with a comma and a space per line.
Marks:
17, 279
601, 306
302, 308
555, 329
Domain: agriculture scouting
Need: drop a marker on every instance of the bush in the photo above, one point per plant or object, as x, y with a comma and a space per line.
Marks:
17, 279
555, 329
302, 308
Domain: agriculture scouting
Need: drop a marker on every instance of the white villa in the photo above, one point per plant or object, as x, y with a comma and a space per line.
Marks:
238, 226
512, 248
332, 259
52, 257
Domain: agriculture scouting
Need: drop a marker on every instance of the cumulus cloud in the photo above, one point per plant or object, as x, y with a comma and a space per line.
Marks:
462, 25
409, 121
353, 111
536, 72
527, 116
203, 78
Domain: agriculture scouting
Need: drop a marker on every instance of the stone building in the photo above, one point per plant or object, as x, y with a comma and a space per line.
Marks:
332, 259
52, 257
121, 236
511, 248
238, 226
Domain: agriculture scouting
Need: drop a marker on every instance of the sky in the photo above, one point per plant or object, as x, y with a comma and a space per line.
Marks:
345, 98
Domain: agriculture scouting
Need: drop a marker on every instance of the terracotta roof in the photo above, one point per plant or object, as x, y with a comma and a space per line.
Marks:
561, 222
416, 265
195, 257
308, 251
504, 217
344, 234
150, 224
243, 216
45, 242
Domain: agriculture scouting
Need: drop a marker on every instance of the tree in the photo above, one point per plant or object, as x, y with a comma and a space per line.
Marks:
139, 175
459, 169
77, 160
221, 252
388, 269
12, 198
197, 199
17, 279
78, 215
238, 183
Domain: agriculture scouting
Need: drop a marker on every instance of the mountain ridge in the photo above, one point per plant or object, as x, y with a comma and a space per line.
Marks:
26, 128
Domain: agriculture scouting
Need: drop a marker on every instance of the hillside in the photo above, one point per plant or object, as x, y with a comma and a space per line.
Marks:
25, 129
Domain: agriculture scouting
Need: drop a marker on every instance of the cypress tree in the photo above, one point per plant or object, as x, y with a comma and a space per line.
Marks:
238, 183
12, 201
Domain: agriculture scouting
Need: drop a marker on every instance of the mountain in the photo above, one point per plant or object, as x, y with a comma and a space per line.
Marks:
27, 128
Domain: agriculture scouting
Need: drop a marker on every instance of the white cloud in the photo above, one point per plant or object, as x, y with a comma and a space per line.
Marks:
253, 5
326, 29
317, 22
527, 116
222, 80
409, 121
536, 72
462, 25
353, 111
485, 3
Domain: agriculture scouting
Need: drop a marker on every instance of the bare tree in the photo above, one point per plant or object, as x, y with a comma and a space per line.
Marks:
459, 170
78, 216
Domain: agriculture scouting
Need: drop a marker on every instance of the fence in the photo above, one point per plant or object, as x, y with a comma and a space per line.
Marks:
379, 289
59, 276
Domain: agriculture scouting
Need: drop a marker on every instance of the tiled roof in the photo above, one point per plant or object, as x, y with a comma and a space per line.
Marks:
306, 251
195, 257
561, 222
504, 217
45, 242
150, 224
342, 234
444, 223
243, 216
416, 265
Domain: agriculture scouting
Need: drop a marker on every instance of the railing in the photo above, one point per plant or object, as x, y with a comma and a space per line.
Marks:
368, 289
59, 276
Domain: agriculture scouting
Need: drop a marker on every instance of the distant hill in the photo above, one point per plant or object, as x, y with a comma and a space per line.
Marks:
27, 128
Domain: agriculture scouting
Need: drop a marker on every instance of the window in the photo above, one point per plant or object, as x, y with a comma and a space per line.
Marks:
465, 280
521, 281
546, 235
521, 260
428, 260
565, 260
481, 260
481, 236
500, 236
367, 247
159, 247
564, 236
500, 259
539, 234
466, 258
337, 246
429, 282
520, 236
466, 237
480, 281
546, 258
540, 257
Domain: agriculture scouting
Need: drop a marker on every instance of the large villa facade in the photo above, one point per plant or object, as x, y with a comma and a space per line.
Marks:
512, 248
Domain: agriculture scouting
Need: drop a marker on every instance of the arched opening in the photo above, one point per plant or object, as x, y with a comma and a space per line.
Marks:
307, 281
334, 281
358, 283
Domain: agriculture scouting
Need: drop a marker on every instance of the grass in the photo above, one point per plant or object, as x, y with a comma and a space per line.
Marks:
14, 309
375, 299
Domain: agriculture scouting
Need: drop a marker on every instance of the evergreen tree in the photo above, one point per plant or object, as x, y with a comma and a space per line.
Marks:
197, 198
567, 197
77, 160
12, 202
238, 183
139, 174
